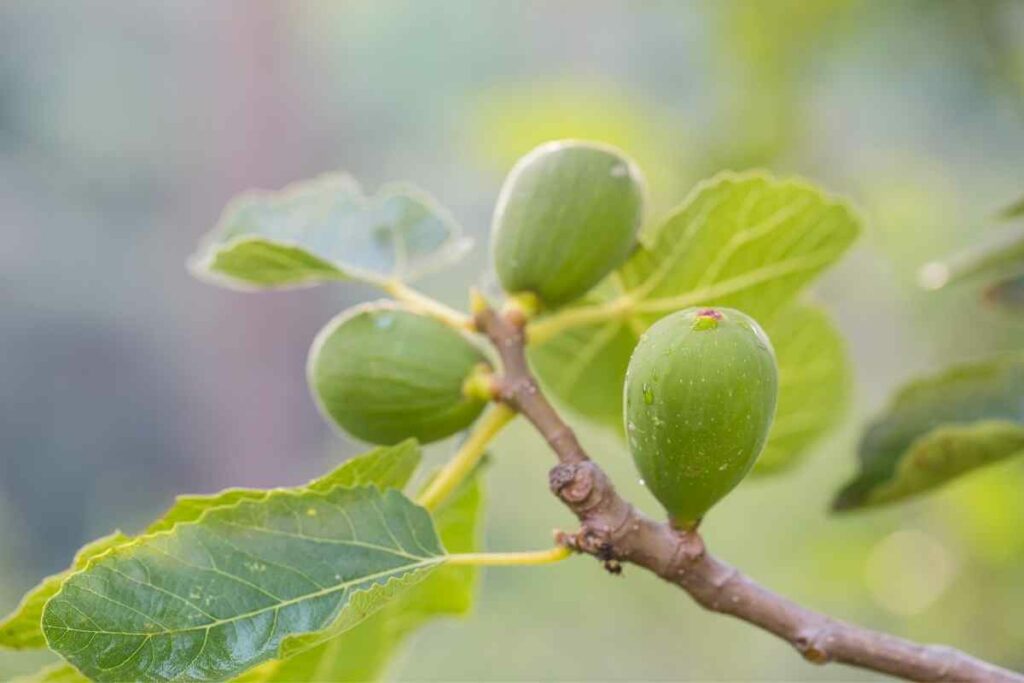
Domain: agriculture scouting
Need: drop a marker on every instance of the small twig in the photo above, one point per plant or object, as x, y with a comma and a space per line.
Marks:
614, 531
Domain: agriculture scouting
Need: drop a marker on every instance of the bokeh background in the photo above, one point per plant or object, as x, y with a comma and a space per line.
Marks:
126, 126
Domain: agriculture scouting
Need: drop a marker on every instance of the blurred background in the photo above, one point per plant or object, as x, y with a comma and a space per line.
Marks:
126, 127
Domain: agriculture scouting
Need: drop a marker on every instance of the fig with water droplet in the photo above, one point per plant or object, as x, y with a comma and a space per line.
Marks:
699, 400
385, 374
568, 215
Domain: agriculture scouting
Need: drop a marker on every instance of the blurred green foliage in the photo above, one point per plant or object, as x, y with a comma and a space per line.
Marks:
913, 107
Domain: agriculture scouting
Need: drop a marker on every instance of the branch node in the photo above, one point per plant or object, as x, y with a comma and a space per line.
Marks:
572, 482
614, 532
809, 647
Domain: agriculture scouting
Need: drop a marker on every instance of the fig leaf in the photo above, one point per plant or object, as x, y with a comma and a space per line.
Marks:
326, 229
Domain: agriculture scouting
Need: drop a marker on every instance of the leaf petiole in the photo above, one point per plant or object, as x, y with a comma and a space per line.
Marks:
535, 557
422, 303
462, 463
546, 328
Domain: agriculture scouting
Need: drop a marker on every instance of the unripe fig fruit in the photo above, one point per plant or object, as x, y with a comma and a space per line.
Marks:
568, 215
699, 399
384, 374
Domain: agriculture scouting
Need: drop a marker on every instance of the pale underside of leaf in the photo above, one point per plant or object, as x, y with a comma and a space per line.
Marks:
209, 599
326, 229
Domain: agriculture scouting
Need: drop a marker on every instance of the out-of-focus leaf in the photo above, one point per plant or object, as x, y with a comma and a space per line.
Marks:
326, 229
509, 121
363, 653
742, 240
585, 367
814, 384
939, 428
211, 598
1015, 210
21, 629
760, 48
1007, 294
999, 258
55, 673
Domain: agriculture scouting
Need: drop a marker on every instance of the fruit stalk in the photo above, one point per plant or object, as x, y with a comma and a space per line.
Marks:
528, 558
466, 458
614, 531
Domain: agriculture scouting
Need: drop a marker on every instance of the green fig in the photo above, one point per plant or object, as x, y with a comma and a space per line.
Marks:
699, 399
385, 374
568, 215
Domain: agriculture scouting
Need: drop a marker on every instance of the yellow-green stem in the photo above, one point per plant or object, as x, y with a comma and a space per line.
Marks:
545, 328
426, 305
556, 554
467, 457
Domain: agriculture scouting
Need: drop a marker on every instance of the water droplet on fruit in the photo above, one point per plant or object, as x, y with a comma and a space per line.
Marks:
648, 394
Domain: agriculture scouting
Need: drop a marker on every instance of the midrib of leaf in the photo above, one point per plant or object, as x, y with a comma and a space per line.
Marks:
665, 266
735, 285
422, 564
744, 236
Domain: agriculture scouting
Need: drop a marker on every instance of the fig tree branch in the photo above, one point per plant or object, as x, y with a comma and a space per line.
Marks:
615, 532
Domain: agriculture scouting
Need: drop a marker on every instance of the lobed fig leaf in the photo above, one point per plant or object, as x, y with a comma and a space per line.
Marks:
324, 230
567, 216
384, 374
699, 398
212, 598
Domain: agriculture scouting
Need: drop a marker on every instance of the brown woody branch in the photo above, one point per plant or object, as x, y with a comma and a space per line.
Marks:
615, 531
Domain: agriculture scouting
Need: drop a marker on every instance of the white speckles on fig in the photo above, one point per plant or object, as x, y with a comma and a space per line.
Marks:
699, 400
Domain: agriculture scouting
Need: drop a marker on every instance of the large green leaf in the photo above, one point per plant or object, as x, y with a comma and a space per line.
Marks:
21, 629
742, 240
211, 598
939, 428
388, 467
747, 240
363, 653
326, 229
814, 384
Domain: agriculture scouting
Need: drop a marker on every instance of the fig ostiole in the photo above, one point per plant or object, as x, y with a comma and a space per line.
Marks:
568, 215
699, 399
384, 374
